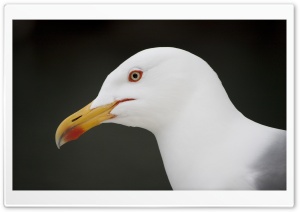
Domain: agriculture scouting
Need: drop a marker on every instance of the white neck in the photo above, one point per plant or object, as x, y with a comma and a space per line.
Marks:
209, 151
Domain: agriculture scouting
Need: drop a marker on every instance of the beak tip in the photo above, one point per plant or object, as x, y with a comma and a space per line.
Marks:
59, 143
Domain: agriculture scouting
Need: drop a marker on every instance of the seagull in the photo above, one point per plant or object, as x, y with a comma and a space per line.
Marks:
204, 141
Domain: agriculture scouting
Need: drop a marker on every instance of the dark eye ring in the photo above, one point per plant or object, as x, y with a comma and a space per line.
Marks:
135, 75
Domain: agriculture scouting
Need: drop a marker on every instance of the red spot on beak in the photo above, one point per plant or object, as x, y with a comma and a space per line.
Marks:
73, 134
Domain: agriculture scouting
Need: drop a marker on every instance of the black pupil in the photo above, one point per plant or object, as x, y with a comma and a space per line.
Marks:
135, 75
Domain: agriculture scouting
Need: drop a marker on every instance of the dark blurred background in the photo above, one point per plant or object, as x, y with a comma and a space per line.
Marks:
59, 67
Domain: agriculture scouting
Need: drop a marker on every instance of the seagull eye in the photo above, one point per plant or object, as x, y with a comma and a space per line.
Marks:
135, 75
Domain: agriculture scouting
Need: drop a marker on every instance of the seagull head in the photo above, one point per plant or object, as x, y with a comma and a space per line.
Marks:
148, 90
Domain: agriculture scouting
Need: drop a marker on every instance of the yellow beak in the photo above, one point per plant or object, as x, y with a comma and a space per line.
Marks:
81, 121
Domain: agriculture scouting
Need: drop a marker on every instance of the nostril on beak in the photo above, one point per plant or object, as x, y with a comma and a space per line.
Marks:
76, 118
